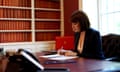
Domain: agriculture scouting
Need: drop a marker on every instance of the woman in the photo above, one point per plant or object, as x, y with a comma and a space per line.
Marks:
87, 40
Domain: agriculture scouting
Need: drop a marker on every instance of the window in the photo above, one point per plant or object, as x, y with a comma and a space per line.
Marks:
109, 16
90, 8
104, 15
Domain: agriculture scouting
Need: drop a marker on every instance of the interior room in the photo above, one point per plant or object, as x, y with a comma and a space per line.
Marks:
35, 24
45, 25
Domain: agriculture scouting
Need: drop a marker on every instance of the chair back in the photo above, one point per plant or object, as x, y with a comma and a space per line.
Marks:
111, 45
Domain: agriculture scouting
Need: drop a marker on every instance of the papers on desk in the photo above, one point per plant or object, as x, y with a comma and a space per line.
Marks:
58, 57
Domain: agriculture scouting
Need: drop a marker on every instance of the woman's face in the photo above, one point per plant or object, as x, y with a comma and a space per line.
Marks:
76, 27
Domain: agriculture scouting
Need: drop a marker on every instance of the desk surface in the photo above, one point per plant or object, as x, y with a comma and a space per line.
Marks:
81, 65
84, 65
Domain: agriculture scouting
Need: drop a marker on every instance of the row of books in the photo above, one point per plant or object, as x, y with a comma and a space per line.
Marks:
15, 37
26, 36
22, 13
19, 3
47, 4
14, 13
27, 3
46, 36
47, 25
47, 14
15, 25
26, 25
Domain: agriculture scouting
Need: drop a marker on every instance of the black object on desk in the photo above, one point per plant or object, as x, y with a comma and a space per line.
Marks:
24, 61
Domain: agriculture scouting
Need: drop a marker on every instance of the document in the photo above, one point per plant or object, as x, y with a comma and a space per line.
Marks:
58, 57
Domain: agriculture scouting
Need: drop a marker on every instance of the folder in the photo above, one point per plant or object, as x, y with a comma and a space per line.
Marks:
67, 42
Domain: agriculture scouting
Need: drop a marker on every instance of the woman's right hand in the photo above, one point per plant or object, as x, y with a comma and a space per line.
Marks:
70, 53
66, 52
61, 51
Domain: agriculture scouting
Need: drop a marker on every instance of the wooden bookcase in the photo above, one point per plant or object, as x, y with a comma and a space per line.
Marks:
30, 20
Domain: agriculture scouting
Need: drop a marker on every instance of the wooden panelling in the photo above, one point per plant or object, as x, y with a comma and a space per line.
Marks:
68, 10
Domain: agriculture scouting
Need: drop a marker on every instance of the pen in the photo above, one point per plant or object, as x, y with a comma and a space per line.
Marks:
61, 51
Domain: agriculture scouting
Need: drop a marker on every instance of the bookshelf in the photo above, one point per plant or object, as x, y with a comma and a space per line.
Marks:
47, 19
30, 20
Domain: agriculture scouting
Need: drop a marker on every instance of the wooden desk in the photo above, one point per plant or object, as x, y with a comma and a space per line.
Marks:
3, 64
84, 65
81, 65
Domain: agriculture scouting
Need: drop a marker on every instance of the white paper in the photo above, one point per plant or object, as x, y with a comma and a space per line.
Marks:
58, 57
50, 56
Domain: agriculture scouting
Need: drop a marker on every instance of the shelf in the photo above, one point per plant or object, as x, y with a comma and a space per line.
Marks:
57, 30
15, 30
26, 43
14, 7
47, 9
47, 19
23, 19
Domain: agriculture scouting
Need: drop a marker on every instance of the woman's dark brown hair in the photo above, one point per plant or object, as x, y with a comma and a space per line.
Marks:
82, 18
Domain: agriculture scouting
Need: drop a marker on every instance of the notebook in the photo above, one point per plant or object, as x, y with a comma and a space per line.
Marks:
67, 42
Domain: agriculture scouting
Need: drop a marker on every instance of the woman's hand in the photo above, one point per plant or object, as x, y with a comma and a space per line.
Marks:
61, 51
70, 53
66, 52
